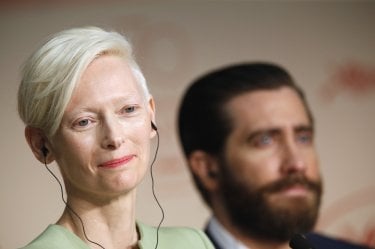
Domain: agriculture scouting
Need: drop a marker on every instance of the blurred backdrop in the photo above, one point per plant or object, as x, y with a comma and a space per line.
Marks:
329, 47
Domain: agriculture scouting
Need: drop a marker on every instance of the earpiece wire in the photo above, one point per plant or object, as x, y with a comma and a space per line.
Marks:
153, 190
71, 209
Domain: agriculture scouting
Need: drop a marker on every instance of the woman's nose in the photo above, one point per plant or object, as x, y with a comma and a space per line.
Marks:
112, 134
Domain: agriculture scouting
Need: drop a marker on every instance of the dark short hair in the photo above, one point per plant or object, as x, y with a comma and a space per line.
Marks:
202, 121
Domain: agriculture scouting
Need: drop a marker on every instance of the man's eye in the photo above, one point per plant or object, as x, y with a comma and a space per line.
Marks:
305, 138
263, 140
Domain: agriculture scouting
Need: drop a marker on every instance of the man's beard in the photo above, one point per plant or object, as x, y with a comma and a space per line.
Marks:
250, 210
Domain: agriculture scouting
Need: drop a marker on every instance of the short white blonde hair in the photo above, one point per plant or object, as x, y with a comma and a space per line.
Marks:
51, 73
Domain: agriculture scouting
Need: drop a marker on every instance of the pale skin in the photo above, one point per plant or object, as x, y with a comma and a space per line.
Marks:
102, 148
272, 137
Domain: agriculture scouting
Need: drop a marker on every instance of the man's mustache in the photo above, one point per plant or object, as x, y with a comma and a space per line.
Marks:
290, 181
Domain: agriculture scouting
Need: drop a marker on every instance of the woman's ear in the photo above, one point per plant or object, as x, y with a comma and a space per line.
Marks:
151, 105
38, 144
205, 167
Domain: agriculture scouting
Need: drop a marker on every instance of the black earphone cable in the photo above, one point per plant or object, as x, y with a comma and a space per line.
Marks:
153, 193
153, 190
71, 209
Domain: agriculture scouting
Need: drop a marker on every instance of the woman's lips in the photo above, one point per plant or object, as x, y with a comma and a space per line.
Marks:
116, 162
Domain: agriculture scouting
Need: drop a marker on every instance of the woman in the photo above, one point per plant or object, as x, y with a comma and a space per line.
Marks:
86, 106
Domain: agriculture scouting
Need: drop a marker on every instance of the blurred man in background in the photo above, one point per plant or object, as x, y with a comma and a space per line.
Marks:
248, 136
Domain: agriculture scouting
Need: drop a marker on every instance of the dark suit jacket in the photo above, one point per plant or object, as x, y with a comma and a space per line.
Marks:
323, 242
317, 240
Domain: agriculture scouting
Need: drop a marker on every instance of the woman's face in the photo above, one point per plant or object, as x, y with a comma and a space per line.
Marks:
103, 143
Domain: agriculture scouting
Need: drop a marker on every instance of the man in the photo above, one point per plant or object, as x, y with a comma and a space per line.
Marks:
248, 136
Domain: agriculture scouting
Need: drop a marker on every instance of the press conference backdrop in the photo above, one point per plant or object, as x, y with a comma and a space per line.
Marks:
328, 46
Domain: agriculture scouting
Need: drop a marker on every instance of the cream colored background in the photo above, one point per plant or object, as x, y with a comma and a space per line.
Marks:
174, 43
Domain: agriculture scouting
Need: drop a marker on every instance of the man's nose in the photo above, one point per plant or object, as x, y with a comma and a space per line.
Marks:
293, 160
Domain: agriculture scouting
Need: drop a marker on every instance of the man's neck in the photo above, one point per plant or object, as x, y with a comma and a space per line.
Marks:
227, 236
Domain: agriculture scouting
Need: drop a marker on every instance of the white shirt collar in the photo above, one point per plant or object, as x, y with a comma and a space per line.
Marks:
222, 236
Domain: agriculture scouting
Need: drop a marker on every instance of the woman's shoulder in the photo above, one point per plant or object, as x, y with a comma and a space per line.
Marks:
57, 237
173, 237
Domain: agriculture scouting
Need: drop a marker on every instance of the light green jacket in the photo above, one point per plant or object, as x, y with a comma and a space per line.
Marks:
57, 237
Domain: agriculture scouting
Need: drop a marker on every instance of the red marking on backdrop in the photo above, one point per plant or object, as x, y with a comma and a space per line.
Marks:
351, 77
369, 235
346, 205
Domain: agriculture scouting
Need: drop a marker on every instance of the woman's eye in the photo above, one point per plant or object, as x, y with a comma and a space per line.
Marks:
128, 109
82, 123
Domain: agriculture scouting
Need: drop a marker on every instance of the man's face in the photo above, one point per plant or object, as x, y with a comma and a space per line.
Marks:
270, 179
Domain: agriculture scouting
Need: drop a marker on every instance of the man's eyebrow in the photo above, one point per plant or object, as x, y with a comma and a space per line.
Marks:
275, 130
301, 128
255, 133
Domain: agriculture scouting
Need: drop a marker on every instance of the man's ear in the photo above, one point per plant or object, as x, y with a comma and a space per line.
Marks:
39, 144
205, 167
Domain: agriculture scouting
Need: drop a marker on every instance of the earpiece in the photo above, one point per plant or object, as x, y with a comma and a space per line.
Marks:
153, 126
44, 151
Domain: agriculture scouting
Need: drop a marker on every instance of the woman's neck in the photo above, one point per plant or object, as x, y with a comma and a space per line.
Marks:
111, 224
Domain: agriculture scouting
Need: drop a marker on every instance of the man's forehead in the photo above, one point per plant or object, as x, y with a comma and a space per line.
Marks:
268, 108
